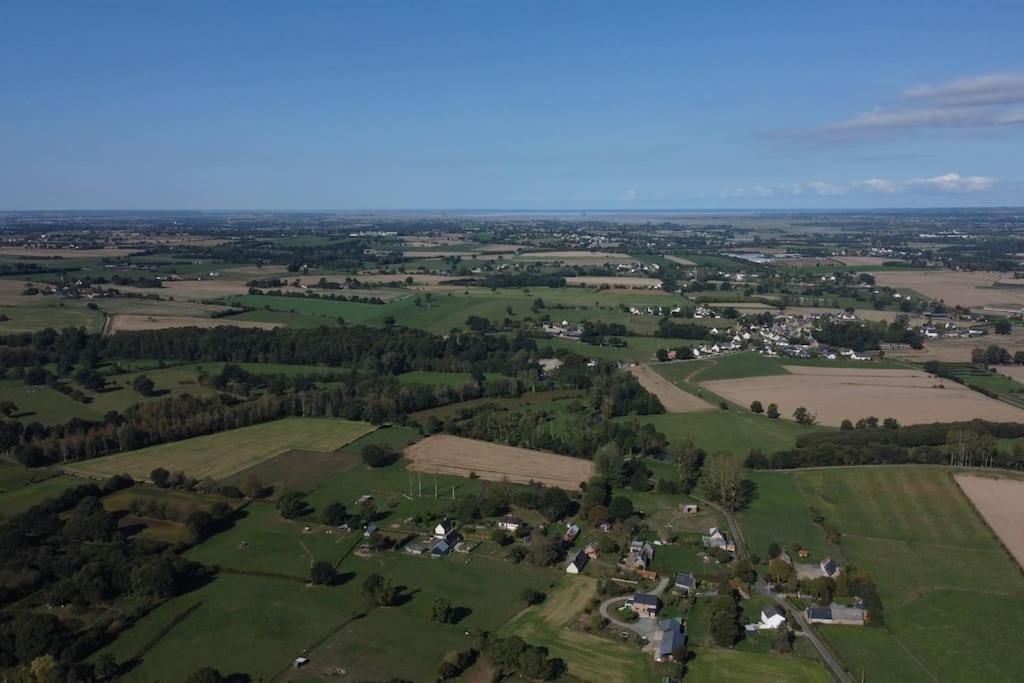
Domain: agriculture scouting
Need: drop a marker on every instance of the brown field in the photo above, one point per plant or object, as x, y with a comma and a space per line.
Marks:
672, 397
1001, 503
66, 253
194, 290
613, 281
132, 323
956, 288
438, 254
445, 454
1012, 371
680, 260
11, 292
835, 394
864, 260
959, 350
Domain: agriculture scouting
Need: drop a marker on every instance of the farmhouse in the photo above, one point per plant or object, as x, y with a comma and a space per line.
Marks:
592, 551
836, 614
579, 561
670, 637
444, 528
771, 618
510, 523
571, 532
645, 605
829, 568
689, 508
716, 538
685, 582
640, 556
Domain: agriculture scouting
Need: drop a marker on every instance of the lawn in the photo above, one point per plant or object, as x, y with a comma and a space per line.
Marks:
942, 575
712, 665
588, 656
226, 453
395, 437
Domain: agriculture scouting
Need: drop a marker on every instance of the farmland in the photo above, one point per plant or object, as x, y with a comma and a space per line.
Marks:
1001, 503
226, 453
444, 454
930, 555
835, 394
672, 397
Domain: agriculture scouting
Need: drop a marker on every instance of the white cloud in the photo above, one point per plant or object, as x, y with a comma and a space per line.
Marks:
979, 101
954, 182
975, 91
628, 195
946, 183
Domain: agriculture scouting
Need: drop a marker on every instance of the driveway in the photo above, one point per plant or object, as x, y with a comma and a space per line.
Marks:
642, 627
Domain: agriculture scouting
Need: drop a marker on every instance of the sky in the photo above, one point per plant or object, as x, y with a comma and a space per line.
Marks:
510, 105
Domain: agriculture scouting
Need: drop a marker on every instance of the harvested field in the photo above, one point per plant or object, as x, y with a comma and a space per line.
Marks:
1012, 371
1001, 503
959, 350
864, 260
437, 254
613, 281
680, 260
672, 397
835, 394
132, 323
956, 288
445, 454
11, 292
194, 290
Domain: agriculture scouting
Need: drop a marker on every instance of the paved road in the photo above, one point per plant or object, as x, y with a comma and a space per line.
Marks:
642, 626
830, 660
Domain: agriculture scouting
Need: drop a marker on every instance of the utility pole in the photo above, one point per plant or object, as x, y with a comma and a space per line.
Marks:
453, 491
435, 484
419, 477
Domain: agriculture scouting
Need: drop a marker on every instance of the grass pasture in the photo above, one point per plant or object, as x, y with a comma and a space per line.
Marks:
21, 487
729, 431
298, 470
942, 575
224, 454
715, 665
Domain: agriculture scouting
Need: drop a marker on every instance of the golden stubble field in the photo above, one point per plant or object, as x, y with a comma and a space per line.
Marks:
444, 454
672, 397
1001, 502
956, 288
835, 394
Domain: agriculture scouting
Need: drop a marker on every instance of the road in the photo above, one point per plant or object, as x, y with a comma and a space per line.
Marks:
641, 627
827, 657
830, 660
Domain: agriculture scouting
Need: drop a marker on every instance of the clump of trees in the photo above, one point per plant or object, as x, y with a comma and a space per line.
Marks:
513, 656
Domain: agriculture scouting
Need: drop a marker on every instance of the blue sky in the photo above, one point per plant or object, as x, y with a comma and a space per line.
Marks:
525, 105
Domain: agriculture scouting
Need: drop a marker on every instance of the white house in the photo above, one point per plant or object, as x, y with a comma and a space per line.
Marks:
510, 523
579, 561
444, 527
771, 618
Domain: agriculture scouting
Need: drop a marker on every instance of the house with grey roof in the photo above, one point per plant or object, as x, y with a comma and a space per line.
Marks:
671, 635
645, 605
686, 582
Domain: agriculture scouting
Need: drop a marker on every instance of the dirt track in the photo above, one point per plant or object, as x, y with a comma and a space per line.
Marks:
1001, 503
672, 397
444, 454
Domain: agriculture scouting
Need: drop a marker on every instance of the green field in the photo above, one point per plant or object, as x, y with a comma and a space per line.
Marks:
779, 514
750, 364
21, 488
449, 309
226, 453
637, 349
731, 431
38, 313
953, 598
714, 665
